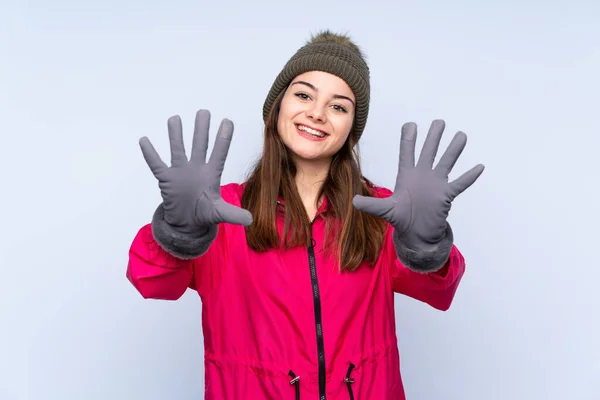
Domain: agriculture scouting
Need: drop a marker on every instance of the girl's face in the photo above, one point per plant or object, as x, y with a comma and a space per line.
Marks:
316, 115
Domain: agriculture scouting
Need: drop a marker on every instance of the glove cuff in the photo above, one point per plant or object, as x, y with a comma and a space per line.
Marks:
181, 245
421, 256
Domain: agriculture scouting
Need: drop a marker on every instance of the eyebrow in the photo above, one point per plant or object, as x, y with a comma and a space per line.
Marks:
335, 96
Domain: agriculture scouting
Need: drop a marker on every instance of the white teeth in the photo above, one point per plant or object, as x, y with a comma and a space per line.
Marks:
311, 131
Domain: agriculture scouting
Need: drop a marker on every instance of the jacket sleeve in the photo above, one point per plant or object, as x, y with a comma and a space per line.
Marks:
434, 288
157, 274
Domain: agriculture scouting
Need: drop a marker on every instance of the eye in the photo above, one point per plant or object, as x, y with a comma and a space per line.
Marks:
303, 96
337, 107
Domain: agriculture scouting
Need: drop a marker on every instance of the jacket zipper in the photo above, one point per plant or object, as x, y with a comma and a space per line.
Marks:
318, 318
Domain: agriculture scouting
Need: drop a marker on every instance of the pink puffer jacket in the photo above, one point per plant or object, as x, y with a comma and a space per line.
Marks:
286, 324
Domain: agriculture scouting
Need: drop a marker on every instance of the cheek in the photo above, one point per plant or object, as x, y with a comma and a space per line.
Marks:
343, 128
287, 105
284, 115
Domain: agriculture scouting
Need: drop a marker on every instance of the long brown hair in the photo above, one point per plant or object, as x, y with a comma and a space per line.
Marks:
352, 236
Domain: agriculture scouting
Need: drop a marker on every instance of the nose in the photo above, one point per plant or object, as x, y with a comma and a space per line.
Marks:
316, 113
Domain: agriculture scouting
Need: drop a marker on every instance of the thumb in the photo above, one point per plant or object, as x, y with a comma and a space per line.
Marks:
227, 212
375, 206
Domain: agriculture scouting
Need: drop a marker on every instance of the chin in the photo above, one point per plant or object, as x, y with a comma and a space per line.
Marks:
305, 155
306, 150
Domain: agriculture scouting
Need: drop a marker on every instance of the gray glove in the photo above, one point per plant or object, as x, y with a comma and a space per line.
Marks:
422, 198
186, 222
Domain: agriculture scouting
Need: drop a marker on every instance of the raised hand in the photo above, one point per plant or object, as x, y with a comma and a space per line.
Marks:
422, 196
191, 189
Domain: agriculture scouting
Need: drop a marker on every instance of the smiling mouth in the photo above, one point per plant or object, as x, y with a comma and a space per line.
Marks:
310, 131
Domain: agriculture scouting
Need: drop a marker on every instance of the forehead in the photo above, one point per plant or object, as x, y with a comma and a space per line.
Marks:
325, 82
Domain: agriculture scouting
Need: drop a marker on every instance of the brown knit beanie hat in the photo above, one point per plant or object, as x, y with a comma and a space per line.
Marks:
337, 55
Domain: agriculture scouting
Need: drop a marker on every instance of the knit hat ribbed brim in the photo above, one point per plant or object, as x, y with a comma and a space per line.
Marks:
337, 55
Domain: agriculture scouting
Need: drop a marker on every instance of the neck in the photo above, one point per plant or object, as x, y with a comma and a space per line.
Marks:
310, 177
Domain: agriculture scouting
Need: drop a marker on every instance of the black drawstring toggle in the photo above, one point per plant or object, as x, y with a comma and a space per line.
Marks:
349, 381
296, 382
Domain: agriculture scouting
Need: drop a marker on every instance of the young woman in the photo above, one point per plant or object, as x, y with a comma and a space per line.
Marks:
297, 267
